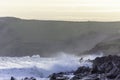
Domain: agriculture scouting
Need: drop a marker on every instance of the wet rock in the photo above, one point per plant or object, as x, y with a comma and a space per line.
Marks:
26, 78
83, 70
91, 77
107, 65
31, 78
103, 68
12, 78
58, 76
77, 77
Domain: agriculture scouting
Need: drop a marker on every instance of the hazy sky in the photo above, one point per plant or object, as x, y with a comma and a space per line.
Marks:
62, 9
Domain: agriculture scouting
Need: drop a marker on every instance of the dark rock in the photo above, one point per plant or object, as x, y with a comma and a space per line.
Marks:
91, 77
103, 68
32, 78
58, 76
12, 78
83, 70
77, 77
108, 65
26, 78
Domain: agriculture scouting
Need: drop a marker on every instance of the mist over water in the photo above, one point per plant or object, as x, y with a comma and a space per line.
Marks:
92, 56
50, 38
39, 67
8, 40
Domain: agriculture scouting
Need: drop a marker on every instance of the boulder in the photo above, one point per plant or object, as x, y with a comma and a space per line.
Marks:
12, 78
58, 76
103, 68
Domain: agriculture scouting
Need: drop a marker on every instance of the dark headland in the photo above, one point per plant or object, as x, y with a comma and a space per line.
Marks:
21, 37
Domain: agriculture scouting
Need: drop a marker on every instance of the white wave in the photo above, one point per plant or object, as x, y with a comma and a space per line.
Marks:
37, 66
92, 56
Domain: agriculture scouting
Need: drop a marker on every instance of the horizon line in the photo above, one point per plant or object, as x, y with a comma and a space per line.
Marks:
70, 20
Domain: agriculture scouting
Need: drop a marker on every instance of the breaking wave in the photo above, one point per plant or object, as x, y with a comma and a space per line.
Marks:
40, 67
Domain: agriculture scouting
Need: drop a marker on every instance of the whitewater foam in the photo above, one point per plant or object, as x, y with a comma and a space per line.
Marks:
92, 56
37, 66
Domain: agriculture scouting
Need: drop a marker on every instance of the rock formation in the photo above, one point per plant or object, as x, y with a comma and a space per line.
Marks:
103, 68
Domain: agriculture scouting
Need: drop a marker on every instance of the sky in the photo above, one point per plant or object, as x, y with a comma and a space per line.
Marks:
62, 9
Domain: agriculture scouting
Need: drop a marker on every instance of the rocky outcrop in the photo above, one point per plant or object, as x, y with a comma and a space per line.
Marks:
59, 76
107, 47
107, 67
12, 78
26, 78
103, 68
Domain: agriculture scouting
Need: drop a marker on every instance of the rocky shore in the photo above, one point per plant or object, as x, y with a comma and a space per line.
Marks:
103, 68
26, 78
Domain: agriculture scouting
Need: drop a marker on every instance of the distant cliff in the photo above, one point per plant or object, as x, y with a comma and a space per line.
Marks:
19, 37
108, 47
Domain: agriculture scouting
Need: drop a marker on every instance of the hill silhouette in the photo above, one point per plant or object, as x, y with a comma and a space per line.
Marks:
19, 37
